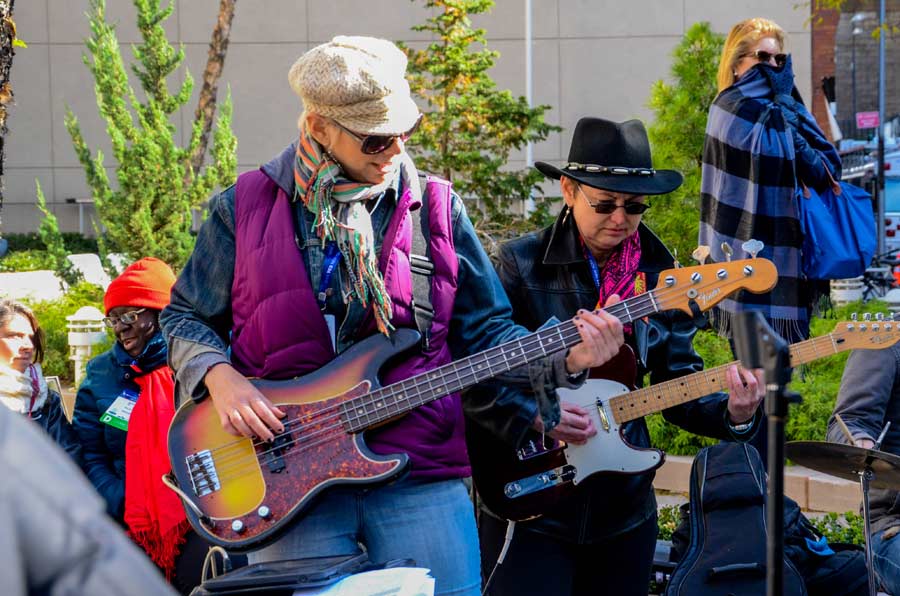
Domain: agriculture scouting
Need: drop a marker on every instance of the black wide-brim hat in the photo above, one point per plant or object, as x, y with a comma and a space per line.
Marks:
613, 156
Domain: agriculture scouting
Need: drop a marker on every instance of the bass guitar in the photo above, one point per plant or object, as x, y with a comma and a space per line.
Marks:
519, 484
239, 493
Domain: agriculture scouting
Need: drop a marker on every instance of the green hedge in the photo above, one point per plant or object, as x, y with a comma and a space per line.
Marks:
836, 527
75, 242
26, 260
51, 315
817, 383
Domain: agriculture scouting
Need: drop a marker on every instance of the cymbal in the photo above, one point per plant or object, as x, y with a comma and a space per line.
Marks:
846, 461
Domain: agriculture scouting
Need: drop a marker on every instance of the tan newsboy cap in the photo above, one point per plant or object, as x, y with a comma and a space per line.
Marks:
359, 82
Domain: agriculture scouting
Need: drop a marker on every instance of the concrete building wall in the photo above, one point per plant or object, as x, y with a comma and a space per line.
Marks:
591, 57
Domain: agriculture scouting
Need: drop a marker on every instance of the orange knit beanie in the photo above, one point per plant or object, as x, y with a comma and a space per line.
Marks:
145, 283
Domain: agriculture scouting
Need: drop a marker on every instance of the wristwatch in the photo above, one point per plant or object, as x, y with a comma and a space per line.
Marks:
742, 427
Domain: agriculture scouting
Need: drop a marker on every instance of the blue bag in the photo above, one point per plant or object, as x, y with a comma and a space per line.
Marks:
838, 232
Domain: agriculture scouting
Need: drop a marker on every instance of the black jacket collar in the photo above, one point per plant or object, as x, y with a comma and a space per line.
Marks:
563, 248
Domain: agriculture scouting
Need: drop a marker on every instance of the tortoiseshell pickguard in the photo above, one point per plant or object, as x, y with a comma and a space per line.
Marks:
237, 478
294, 469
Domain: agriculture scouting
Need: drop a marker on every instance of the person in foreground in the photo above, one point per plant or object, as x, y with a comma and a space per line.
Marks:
122, 414
762, 146
23, 388
868, 399
604, 534
56, 537
309, 255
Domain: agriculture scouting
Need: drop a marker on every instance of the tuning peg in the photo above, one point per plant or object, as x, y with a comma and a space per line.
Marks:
854, 316
867, 316
726, 248
879, 316
675, 256
700, 254
753, 247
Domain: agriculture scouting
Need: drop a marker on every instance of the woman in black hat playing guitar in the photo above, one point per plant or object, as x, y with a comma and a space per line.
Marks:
601, 538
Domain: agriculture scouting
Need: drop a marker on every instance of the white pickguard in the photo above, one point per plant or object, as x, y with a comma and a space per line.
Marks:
606, 451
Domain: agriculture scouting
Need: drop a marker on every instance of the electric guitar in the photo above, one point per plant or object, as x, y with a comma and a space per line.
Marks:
239, 493
522, 484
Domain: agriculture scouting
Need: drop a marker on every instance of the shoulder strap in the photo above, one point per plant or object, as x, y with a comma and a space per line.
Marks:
422, 269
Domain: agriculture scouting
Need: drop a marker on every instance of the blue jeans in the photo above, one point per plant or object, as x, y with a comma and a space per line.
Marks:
432, 523
886, 555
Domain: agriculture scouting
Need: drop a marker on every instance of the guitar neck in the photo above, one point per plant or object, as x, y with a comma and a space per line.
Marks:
649, 400
399, 398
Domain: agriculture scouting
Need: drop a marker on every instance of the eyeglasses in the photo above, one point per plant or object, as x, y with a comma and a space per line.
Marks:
618, 170
764, 56
607, 207
375, 144
126, 318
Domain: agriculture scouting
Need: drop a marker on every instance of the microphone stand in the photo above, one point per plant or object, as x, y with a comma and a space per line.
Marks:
758, 346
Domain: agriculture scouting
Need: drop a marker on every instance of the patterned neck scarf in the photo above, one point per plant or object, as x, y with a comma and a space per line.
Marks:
620, 274
339, 207
23, 392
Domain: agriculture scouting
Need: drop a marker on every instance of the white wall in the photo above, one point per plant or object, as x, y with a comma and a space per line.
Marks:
591, 57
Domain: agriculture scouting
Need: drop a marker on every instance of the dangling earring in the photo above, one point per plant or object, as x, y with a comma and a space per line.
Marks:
333, 158
566, 215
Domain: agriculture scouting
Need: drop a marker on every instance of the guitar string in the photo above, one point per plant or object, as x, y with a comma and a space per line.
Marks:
438, 383
801, 353
315, 419
428, 378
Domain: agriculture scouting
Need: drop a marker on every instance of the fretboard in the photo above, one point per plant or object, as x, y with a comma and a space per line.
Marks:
399, 398
649, 400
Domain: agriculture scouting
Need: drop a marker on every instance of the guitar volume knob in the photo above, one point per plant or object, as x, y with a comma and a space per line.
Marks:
264, 512
237, 526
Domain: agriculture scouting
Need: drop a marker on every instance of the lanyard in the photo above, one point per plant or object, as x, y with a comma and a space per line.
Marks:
332, 258
595, 269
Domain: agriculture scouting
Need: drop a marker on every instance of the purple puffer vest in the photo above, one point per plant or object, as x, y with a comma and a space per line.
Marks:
279, 331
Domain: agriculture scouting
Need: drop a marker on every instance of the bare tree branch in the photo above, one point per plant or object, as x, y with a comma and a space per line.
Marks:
7, 51
215, 63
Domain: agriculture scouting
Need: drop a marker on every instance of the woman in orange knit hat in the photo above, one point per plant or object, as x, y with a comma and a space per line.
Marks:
122, 415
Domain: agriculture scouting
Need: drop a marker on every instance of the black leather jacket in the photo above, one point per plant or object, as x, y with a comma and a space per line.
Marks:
545, 275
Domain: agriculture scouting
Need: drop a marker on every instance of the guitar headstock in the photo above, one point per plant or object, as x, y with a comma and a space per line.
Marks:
707, 285
868, 334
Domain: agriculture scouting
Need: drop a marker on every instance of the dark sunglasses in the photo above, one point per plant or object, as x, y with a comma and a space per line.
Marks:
607, 207
375, 144
764, 56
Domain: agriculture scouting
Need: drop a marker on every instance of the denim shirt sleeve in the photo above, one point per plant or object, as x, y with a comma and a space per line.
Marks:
197, 321
482, 319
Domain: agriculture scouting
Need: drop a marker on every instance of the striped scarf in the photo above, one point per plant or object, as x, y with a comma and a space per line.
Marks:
338, 205
749, 189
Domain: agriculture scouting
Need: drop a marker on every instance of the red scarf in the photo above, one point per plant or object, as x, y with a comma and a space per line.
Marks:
153, 513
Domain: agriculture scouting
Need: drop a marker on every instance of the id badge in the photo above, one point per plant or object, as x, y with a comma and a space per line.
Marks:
119, 412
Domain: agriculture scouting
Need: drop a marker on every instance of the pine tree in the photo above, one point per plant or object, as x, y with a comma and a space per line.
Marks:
470, 126
677, 135
149, 212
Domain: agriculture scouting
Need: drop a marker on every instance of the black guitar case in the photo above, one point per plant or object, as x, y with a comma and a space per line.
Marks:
726, 555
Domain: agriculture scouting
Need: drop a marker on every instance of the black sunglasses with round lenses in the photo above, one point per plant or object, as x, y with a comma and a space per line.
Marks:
126, 318
766, 57
375, 144
607, 207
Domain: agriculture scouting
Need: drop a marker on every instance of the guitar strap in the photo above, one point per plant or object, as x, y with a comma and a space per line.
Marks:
422, 269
